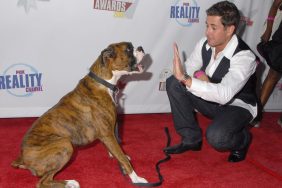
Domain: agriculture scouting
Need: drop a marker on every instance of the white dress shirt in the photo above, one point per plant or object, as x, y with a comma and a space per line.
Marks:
242, 66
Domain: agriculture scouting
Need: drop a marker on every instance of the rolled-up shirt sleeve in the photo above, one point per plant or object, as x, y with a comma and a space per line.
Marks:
242, 66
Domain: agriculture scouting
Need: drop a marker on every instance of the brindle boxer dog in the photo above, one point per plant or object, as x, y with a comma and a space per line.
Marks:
83, 115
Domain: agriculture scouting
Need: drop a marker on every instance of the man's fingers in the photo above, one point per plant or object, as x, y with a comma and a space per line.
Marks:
175, 47
177, 67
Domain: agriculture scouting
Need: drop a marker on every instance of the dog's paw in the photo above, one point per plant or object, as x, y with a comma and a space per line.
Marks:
141, 180
136, 179
72, 184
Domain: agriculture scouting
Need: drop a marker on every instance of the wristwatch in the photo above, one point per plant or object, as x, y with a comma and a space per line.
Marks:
185, 78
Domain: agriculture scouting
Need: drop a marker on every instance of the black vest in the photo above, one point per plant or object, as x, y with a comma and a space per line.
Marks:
248, 92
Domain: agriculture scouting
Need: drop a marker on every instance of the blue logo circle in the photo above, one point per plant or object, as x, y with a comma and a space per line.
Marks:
180, 20
19, 92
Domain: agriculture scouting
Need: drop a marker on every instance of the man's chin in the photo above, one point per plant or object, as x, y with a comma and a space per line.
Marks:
211, 43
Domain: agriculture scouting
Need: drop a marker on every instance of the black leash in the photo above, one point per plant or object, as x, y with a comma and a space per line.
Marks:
161, 179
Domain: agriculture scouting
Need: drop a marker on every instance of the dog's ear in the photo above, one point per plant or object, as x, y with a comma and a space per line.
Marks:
107, 53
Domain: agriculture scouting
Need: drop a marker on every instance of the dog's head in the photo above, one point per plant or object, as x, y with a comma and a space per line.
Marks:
122, 57
119, 59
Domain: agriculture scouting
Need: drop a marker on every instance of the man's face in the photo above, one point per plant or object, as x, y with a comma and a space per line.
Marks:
217, 35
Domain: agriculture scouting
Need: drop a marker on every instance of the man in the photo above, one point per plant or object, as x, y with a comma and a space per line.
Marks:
223, 89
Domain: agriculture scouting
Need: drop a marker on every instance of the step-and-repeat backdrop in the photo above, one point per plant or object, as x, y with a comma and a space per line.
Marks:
47, 46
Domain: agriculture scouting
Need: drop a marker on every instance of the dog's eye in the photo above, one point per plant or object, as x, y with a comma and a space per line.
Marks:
129, 50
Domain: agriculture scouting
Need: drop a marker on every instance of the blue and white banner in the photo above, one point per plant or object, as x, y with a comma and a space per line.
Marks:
47, 46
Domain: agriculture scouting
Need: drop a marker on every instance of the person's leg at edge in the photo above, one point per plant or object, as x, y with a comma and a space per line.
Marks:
267, 88
268, 85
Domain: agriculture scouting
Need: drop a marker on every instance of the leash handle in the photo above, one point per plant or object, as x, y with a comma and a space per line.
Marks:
167, 158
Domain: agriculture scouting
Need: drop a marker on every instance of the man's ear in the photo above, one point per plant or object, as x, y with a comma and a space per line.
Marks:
231, 30
107, 53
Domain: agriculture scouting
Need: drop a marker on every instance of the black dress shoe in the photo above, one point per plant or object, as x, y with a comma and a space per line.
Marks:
182, 147
239, 155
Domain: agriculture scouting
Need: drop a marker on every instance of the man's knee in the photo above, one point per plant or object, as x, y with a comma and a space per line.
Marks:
171, 83
217, 138
170, 80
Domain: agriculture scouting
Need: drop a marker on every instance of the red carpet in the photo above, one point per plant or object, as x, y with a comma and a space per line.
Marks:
143, 139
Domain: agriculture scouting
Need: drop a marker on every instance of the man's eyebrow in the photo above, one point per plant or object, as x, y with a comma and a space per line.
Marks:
211, 24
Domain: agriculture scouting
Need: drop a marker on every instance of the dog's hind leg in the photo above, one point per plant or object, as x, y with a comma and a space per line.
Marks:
48, 160
115, 149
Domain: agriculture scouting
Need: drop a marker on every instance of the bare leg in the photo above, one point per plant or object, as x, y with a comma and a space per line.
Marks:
267, 88
268, 85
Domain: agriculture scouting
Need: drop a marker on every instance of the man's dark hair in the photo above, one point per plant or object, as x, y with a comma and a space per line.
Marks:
228, 12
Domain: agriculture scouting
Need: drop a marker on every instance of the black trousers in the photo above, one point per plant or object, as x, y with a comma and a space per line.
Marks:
228, 129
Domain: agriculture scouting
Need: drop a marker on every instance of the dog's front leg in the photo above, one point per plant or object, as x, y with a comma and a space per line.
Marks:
115, 149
